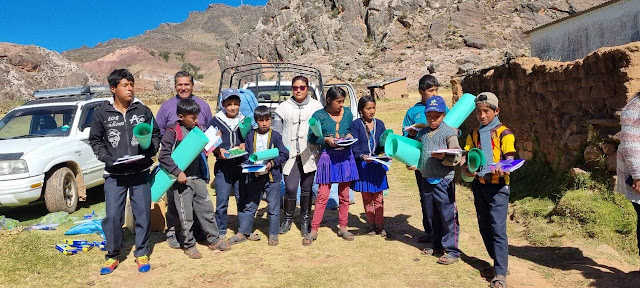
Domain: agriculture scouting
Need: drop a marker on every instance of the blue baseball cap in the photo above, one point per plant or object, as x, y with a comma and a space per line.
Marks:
228, 92
436, 104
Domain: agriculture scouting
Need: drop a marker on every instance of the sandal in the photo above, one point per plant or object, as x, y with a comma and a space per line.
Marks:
447, 259
500, 281
237, 239
193, 253
383, 233
308, 240
346, 235
428, 251
253, 237
273, 240
220, 245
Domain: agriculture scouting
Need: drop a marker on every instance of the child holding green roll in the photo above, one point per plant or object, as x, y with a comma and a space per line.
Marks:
259, 140
227, 172
438, 187
189, 193
491, 185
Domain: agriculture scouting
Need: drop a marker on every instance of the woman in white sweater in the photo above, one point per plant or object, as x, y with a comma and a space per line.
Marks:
291, 119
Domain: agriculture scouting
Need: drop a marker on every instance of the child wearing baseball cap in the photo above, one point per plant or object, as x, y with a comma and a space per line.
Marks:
491, 185
437, 169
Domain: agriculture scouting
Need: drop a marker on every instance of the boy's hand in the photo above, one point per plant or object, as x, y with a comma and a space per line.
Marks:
241, 146
465, 170
439, 156
269, 165
498, 170
219, 133
412, 168
182, 178
330, 141
636, 185
366, 158
222, 152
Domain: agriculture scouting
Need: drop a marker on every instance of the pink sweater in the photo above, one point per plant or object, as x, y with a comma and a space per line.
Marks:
628, 159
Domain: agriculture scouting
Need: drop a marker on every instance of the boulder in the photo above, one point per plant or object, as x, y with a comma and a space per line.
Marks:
576, 141
475, 42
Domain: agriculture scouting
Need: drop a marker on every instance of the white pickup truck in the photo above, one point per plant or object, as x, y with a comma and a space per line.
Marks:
44, 149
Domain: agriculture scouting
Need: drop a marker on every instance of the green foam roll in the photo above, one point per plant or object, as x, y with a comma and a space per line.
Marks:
383, 137
264, 155
315, 127
404, 150
142, 132
183, 156
461, 110
475, 160
245, 126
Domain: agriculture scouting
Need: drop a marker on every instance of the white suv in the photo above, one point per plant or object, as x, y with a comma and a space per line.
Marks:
44, 146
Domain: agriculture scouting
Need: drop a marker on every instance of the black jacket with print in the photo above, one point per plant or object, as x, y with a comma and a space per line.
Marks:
111, 137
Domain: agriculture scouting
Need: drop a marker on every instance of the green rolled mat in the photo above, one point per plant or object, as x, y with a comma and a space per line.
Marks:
264, 155
466, 178
461, 110
183, 156
475, 160
388, 148
142, 132
404, 150
245, 126
315, 127
383, 137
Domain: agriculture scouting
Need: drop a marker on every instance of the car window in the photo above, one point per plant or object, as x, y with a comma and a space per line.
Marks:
274, 94
87, 115
37, 122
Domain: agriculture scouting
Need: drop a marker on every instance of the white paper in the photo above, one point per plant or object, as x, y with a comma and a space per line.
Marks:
252, 168
346, 142
128, 159
214, 139
416, 127
235, 156
448, 151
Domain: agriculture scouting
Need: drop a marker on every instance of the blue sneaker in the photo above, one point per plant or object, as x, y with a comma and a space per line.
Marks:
109, 266
143, 263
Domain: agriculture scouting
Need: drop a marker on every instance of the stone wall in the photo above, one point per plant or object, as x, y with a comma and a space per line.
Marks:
565, 112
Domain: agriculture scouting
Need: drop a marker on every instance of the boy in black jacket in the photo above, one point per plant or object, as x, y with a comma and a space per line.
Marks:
111, 138
189, 194
261, 139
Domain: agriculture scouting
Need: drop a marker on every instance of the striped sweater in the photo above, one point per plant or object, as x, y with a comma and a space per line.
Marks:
628, 158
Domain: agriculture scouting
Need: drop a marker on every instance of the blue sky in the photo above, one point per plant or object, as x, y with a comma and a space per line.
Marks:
61, 25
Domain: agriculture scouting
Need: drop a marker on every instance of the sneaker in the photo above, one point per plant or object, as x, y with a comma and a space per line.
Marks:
109, 266
221, 245
193, 253
143, 263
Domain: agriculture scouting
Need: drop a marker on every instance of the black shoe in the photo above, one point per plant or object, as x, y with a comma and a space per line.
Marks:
289, 209
305, 215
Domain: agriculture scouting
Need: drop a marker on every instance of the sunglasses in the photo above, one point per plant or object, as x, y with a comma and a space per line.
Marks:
296, 88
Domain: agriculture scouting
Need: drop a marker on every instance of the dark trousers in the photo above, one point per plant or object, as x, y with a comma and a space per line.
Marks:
428, 230
298, 177
442, 215
250, 200
173, 223
227, 179
637, 207
115, 197
191, 201
492, 204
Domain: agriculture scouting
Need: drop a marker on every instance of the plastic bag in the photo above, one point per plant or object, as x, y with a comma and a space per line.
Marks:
55, 218
89, 227
8, 223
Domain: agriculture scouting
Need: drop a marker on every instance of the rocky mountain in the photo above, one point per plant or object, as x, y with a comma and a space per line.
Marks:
155, 56
366, 41
24, 69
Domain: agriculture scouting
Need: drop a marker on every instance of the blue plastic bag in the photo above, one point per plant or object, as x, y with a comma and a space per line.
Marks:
89, 227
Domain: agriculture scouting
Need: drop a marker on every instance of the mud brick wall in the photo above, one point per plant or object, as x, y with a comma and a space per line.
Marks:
565, 112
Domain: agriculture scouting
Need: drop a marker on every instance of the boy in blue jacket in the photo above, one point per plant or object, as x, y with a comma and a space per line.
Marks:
261, 139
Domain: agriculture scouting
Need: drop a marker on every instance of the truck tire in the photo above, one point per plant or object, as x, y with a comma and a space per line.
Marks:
61, 191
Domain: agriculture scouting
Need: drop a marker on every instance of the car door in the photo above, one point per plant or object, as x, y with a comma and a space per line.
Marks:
91, 167
352, 97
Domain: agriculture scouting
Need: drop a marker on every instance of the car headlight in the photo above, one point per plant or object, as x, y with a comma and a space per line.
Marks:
9, 167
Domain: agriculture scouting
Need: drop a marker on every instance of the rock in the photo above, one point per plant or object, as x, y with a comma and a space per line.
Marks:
575, 171
576, 141
608, 148
567, 160
592, 154
475, 42
611, 163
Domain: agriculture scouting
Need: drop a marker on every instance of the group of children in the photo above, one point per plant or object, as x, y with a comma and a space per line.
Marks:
350, 166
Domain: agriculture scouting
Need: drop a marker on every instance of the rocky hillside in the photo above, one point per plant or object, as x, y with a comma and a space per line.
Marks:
24, 69
155, 56
366, 41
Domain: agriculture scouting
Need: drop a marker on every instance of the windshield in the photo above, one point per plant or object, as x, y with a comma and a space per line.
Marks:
275, 94
37, 122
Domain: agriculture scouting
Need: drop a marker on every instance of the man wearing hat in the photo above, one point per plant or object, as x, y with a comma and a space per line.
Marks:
167, 116
438, 193
227, 171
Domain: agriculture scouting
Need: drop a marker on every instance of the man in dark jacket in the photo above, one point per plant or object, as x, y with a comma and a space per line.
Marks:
127, 166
